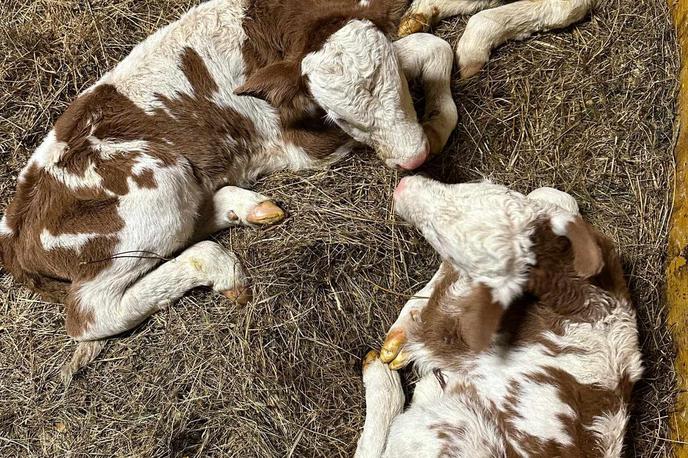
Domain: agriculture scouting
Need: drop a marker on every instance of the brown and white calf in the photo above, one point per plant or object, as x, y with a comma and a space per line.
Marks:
525, 339
500, 21
110, 209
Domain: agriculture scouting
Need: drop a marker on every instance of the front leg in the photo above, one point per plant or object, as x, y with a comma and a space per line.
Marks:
423, 14
384, 402
232, 206
430, 58
392, 348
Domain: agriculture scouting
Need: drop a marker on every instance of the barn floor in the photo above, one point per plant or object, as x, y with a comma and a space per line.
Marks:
589, 109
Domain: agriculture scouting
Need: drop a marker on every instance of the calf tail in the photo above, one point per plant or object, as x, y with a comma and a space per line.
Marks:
85, 352
384, 401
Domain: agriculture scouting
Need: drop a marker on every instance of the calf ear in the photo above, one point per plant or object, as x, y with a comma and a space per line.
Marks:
276, 83
480, 318
588, 259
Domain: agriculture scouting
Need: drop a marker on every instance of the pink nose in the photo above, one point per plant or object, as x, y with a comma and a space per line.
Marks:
401, 186
417, 160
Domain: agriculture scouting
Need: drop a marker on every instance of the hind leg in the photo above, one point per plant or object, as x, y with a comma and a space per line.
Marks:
490, 28
430, 58
423, 14
108, 305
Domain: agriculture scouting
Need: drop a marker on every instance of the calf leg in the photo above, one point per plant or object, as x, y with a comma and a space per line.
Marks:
423, 14
231, 206
384, 401
109, 305
490, 28
430, 58
392, 348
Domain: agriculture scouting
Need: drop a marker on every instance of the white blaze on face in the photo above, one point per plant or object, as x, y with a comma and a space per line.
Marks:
356, 79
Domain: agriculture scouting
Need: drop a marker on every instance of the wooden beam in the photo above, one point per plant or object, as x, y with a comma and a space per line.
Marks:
677, 269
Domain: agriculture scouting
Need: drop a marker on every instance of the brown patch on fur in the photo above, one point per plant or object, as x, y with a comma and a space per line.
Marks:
277, 83
450, 436
587, 256
318, 140
586, 401
77, 319
480, 318
191, 127
611, 278
450, 326
279, 34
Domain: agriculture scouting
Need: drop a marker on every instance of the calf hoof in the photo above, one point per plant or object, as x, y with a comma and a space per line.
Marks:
265, 213
391, 351
400, 361
413, 23
369, 358
241, 295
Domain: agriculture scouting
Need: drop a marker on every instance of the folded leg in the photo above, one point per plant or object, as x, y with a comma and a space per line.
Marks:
430, 59
514, 21
231, 206
423, 14
392, 348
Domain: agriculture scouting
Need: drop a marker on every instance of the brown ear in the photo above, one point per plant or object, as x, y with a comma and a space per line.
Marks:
277, 83
480, 318
588, 260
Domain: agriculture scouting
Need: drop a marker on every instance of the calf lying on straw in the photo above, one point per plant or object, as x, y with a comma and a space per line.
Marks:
525, 338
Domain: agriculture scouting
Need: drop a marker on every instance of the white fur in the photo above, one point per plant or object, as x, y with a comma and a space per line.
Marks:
67, 241
356, 78
108, 148
429, 58
499, 22
488, 224
609, 429
5, 229
490, 28
49, 152
384, 401
504, 380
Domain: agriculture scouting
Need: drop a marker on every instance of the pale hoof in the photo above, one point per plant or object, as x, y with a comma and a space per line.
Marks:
370, 357
241, 295
413, 23
266, 213
394, 342
400, 361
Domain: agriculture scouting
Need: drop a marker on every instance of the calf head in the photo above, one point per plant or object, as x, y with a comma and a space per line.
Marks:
498, 245
354, 76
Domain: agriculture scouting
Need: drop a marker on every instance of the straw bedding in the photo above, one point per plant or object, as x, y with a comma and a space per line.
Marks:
589, 109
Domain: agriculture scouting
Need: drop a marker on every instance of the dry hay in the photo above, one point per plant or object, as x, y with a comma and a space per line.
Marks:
589, 109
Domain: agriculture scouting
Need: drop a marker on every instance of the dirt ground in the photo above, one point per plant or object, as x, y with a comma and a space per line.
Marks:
589, 109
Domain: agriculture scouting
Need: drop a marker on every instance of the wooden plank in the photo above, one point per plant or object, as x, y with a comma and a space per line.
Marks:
677, 269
